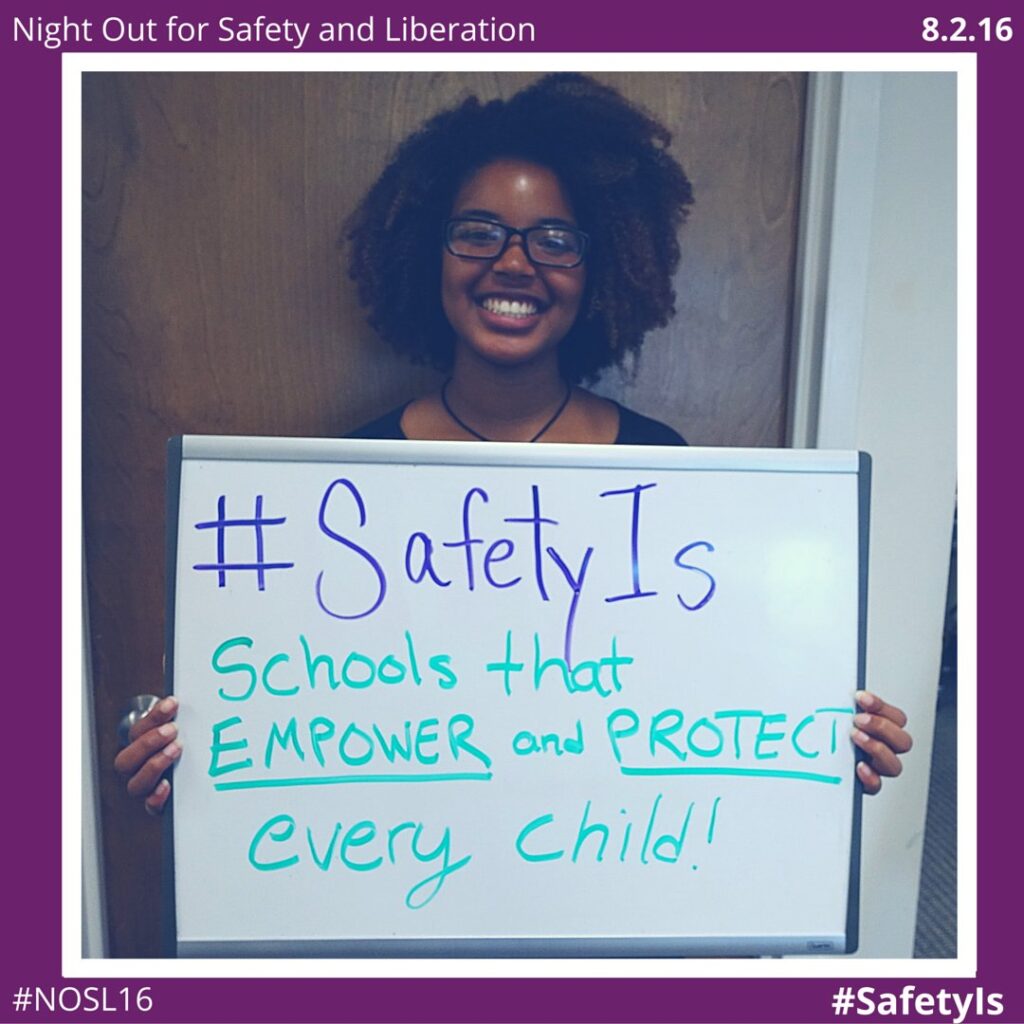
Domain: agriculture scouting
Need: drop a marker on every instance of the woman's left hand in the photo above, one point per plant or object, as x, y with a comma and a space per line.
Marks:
879, 731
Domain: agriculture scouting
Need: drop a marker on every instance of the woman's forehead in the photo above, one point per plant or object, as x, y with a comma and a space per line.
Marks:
514, 187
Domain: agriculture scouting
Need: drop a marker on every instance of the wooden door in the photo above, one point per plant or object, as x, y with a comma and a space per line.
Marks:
216, 301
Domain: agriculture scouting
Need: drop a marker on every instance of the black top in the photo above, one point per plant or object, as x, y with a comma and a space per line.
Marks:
633, 428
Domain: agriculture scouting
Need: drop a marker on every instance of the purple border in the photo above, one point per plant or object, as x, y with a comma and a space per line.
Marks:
31, 849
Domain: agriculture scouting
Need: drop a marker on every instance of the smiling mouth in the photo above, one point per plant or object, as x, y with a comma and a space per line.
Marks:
514, 308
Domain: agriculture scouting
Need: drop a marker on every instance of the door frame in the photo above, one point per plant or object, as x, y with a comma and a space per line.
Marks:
877, 370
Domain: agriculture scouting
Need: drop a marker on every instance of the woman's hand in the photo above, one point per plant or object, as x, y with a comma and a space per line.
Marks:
153, 748
879, 732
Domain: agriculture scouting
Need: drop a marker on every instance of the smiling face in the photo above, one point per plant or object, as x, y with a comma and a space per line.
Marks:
508, 311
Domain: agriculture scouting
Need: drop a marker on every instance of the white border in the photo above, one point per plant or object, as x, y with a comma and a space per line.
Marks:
73, 65
967, 513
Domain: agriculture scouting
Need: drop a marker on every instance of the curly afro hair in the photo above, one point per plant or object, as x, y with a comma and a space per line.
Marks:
630, 195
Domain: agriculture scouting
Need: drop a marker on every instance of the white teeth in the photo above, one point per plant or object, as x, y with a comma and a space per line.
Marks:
505, 307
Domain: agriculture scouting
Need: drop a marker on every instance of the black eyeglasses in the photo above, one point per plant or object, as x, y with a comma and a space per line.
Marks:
552, 245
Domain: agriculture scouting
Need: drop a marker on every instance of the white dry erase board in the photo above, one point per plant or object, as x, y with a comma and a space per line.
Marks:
486, 699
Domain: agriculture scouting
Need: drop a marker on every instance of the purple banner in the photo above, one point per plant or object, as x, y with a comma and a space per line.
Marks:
42, 776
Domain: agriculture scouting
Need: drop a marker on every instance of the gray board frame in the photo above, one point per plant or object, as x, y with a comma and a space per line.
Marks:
498, 454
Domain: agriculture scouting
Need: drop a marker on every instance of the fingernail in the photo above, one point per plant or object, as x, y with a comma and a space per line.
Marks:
855, 733
862, 719
866, 699
173, 750
160, 791
170, 730
167, 705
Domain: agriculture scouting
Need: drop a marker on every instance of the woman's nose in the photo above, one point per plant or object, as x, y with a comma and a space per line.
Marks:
514, 259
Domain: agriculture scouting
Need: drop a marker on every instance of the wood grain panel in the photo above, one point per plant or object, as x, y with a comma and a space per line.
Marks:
216, 301
719, 372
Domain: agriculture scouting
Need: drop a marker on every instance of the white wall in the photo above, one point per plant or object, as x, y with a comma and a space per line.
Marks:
94, 931
878, 322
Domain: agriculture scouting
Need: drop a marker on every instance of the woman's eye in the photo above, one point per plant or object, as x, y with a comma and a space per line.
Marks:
480, 234
556, 242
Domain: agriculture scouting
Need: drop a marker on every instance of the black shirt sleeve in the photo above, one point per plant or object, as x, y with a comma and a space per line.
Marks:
637, 429
385, 428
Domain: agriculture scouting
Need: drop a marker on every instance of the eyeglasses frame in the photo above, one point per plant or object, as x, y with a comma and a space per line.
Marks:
510, 233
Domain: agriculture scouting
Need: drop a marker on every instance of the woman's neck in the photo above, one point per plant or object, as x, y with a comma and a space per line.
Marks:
505, 403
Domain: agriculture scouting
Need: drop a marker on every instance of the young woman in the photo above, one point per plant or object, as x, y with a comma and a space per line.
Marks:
521, 246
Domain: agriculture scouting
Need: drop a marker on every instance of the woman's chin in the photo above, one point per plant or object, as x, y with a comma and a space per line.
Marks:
512, 352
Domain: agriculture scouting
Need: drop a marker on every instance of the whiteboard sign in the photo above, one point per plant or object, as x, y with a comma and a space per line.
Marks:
484, 699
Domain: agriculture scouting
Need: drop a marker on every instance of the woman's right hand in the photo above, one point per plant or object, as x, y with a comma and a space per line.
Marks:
153, 748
